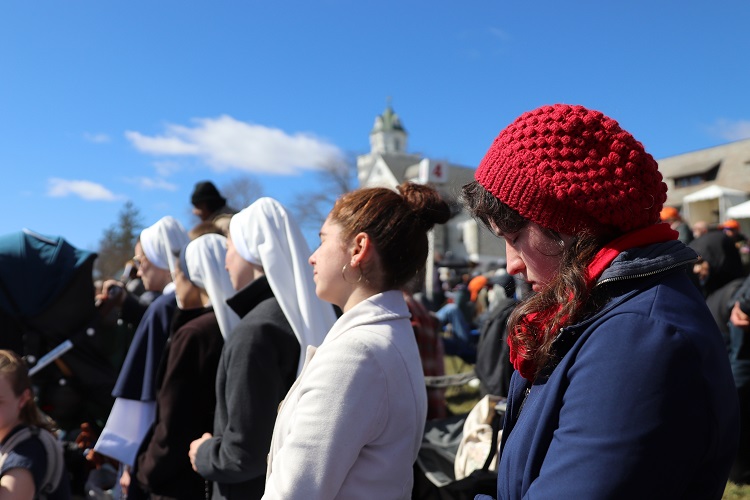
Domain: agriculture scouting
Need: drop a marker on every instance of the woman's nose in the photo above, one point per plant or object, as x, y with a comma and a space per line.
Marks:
514, 264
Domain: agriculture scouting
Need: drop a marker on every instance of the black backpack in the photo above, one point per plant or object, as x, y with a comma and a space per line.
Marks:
493, 367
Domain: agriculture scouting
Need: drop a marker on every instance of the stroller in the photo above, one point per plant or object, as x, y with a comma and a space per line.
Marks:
47, 304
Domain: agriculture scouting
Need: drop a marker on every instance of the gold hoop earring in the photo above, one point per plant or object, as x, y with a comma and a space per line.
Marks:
343, 275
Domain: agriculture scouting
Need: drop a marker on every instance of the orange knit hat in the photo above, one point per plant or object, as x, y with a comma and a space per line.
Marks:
668, 213
475, 285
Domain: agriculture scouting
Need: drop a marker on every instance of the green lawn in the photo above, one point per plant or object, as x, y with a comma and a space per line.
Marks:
734, 492
462, 399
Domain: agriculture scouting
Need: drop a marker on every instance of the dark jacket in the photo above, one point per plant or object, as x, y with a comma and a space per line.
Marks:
185, 403
739, 338
257, 368
493, 368
742, 295
641, 403
137, 379
723, 259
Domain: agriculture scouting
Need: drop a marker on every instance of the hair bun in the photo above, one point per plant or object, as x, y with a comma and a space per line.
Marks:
426, 204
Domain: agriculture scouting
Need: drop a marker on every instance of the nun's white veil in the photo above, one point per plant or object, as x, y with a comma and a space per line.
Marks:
264, 234
202, 261
163, 241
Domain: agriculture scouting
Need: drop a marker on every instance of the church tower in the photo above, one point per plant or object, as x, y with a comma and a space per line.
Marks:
388, 134
387, 161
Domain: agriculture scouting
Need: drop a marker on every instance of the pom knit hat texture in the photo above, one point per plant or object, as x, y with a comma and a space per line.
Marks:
571, 169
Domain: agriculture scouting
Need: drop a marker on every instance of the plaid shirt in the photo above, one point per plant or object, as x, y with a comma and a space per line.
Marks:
426, 331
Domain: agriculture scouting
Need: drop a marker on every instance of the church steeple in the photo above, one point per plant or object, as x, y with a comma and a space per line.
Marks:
388, 134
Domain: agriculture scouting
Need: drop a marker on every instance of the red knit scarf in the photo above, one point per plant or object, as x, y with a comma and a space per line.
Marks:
540, 321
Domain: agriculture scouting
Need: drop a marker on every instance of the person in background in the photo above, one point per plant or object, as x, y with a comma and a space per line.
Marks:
207, 202
222, 222
622, 386
719, 261
739, 357
205, 227
478, 296
672, 216
352, 423
493, 367
733, 231
281, 317
430, 344
25, 470
133, 284
186, 379
135, 390
700, 228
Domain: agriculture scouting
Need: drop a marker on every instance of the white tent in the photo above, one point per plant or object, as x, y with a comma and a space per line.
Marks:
741, 211
711, 204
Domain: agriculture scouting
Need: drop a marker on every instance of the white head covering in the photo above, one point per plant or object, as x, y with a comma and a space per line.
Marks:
163, 241
203, 264
264, 234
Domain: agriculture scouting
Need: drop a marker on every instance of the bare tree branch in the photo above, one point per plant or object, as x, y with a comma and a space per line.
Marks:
336, 178
240, 192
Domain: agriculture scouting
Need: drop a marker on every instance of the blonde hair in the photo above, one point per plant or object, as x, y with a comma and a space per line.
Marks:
14, 368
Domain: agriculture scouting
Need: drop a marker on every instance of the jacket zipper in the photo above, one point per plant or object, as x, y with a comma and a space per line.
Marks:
523, 401
645, 275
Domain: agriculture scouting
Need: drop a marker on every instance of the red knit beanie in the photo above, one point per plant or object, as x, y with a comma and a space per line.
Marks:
569, 169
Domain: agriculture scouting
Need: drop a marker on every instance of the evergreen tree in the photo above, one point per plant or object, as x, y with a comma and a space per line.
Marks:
117, 243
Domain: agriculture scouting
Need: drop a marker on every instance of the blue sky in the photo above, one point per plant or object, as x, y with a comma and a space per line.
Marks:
104, 101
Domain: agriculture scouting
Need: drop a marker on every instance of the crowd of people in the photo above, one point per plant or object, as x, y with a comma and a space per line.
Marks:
262, 369
253, 356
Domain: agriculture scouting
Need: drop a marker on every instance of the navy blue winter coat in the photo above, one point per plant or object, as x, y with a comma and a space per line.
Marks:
641, 403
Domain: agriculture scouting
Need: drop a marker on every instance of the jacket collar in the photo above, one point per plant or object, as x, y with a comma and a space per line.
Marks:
385, 306
633, 264
253, 294
649, 260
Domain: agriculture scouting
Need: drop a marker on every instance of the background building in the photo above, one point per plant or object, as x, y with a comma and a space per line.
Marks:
711, 184
388, 164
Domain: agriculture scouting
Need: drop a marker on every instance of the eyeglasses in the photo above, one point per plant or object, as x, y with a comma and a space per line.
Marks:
138, 259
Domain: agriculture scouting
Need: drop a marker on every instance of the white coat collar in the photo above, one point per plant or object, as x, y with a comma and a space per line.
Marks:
386, 306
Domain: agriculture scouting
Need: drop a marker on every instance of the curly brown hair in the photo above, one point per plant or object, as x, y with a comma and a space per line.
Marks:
568, 293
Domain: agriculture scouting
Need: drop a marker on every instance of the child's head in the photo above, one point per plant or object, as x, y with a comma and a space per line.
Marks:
16, 401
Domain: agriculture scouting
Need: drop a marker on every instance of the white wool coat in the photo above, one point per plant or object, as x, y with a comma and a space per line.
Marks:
352, 423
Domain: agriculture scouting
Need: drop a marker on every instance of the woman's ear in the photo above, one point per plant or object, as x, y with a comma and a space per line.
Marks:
361, 249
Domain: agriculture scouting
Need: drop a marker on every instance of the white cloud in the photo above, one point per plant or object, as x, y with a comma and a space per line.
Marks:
96, 138
225, 144
87, 190
150, 184
731, 130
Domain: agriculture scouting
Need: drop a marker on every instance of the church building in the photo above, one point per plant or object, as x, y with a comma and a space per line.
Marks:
461, 240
